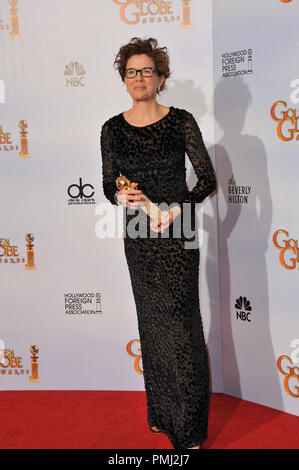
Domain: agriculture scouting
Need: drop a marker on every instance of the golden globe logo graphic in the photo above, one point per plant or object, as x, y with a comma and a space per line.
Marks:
10, 364
289, 253
7, 144
287, 119
154, 11
285, 1
9, 253
134, 351
291, 374
13, 24
2, 91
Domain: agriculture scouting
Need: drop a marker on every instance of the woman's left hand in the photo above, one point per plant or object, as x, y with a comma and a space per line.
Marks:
167, 220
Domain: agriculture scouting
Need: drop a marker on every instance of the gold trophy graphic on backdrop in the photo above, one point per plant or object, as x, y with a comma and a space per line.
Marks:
151, 209
34, 377
14, 19
186, 10
23, 139
30, 251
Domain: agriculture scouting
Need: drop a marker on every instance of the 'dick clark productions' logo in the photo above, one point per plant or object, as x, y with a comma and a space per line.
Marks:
80, 193
237, 63
243, 309
155, 11
237, 194
74, 73
10, 22
82, 303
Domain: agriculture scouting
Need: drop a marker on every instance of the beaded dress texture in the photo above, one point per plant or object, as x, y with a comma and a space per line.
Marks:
164, 268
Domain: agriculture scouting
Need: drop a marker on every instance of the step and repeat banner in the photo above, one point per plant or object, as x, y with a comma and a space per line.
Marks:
68, 317
256, 93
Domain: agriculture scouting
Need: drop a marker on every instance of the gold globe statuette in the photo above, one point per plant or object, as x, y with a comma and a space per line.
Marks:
23, 139
14, 19
34, 377
30, 251
186, 12
147, 205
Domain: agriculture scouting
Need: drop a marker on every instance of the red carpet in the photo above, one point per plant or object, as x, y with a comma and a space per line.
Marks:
117, 420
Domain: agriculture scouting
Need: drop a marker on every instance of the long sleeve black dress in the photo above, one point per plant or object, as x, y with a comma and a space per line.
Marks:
164, 271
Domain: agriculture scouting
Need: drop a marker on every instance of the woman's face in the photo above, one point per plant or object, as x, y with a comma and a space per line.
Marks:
143, 88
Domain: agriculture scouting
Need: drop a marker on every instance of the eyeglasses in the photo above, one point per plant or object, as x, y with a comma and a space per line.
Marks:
145, 72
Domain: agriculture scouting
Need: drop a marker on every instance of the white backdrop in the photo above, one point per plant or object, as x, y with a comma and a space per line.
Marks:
257, 172
64, 115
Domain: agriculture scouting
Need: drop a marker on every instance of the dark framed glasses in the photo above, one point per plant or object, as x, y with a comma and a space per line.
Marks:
145, 72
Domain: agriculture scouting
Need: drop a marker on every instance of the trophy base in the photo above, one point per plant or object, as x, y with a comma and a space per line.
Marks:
24, 155
14, 35
34, 380
185, 26
30, 267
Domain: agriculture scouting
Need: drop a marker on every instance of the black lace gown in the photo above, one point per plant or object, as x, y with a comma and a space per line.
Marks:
164, 269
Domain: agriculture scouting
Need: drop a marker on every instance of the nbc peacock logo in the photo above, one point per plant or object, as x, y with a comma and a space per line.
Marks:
243, 309
74, 73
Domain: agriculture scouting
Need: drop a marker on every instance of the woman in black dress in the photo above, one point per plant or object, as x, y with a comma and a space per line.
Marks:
147, 144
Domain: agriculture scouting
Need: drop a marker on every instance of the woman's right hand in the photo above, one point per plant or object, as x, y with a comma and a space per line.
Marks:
131, 198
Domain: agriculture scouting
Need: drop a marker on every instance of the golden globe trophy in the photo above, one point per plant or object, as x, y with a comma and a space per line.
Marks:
23, 139
151, 209
14, 19
186, 10
30, 252
34, 377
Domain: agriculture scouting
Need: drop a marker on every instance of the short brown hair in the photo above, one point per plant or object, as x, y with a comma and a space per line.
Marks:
143, 46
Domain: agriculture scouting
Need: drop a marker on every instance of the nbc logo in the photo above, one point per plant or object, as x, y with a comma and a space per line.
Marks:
243, 309
74, 73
